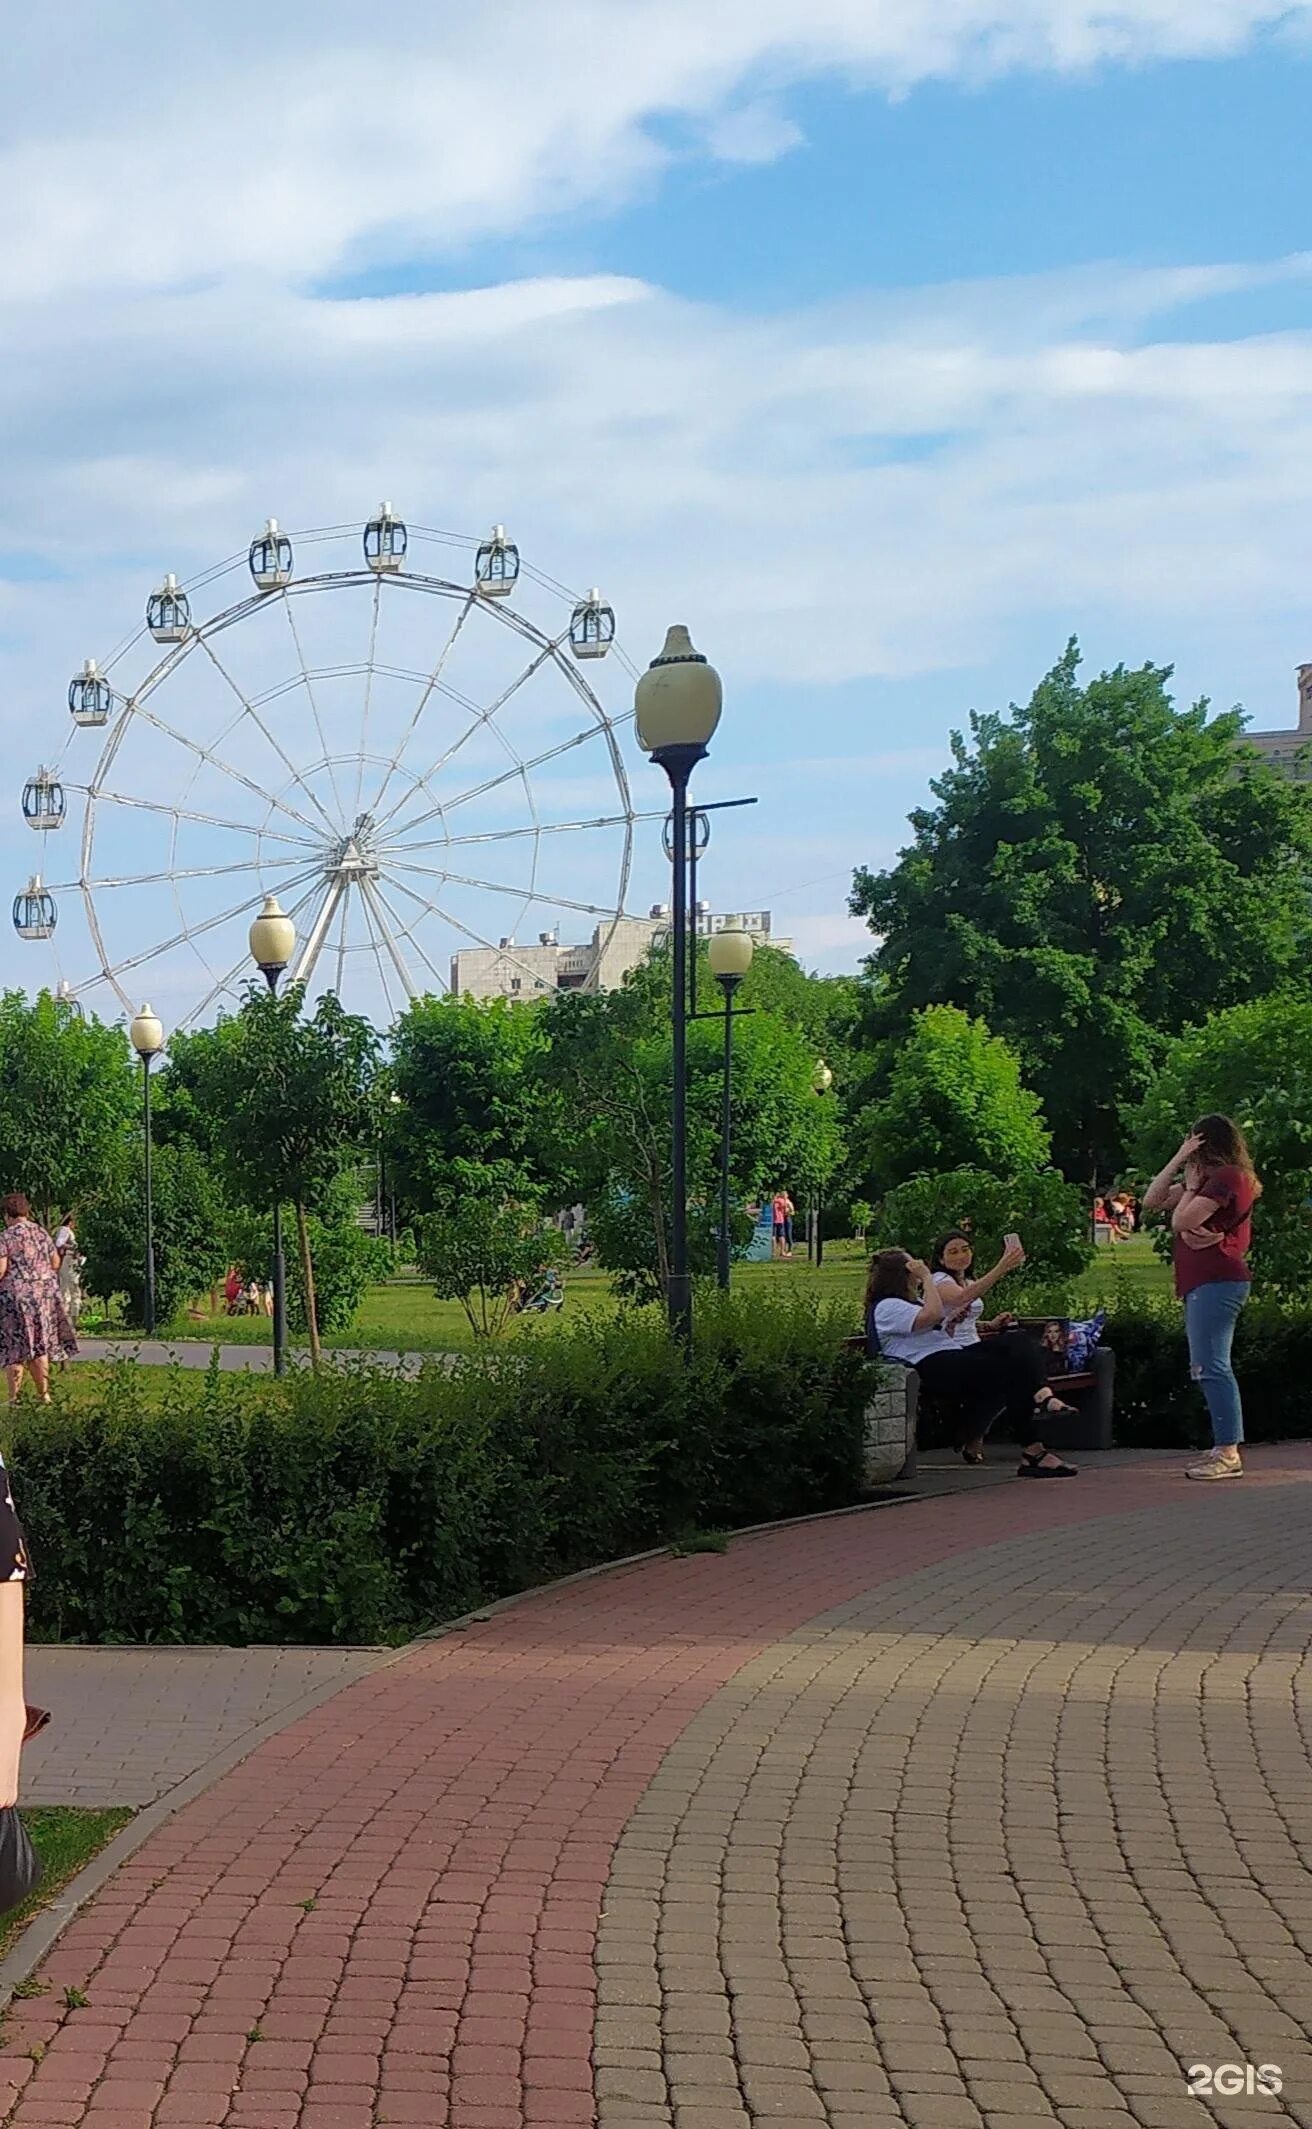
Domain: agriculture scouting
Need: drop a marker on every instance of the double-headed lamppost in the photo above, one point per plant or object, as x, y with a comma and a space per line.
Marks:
272, 939
730, 957
676, 709
822, 1080
147, 1037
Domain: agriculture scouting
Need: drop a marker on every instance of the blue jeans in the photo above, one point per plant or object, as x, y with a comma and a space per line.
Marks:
1210, 1315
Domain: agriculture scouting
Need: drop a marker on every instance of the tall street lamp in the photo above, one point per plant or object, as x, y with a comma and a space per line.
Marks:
730, 958
822, 1080
147, 1037
272, 940
676, 709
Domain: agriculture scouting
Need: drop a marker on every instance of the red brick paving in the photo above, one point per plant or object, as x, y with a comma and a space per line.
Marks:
386, 1915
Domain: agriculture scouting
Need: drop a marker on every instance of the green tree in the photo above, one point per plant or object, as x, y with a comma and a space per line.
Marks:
463, 1121
1049, 1214
284, 1098
346, 1260
483, 1254
603, 1084
189, 1215
1254, 1063
954, 1099
68, 1102
1096, 871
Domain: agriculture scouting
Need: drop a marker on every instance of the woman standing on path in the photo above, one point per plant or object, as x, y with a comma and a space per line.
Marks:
1210, 1188
34, 1328
904, 1322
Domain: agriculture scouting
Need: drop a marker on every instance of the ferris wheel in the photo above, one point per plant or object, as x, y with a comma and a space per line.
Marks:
411, 756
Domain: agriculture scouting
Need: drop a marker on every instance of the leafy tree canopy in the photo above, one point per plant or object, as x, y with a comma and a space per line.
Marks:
1254, 1063
1050, 1215
68, 1102
190, 1230
954, 1099
1097, 871
464, 1119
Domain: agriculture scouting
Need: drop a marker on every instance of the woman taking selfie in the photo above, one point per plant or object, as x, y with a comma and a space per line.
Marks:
1210, 1188
905, 1321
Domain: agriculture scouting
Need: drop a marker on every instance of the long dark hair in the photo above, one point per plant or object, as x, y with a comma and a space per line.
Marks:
1224, 1146
954, 1234
889, 1278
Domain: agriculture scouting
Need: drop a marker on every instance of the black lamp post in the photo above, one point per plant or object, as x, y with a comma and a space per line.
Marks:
822, 1080
676, 710
147, 1037
730, 958
272, 939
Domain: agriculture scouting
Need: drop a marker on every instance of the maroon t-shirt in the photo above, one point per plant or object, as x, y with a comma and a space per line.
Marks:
1233, 1193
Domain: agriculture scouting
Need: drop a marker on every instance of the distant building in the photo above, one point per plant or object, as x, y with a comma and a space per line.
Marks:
1291, 751
514, 971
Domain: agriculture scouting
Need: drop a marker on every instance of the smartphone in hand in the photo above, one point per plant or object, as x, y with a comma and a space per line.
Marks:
1011, 1242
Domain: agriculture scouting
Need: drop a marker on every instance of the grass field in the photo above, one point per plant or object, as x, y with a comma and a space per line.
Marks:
64, 1839
406, 1315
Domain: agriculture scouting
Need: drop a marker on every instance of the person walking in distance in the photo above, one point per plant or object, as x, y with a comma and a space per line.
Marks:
1209, 1187
34, 1330
783, 1210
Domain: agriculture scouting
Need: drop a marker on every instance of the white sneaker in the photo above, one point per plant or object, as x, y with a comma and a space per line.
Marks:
1218, 1463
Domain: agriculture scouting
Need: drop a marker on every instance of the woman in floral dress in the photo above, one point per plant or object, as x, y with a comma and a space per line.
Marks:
34, 1327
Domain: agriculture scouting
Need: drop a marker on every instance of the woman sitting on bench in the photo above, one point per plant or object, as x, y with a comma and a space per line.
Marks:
905, 1322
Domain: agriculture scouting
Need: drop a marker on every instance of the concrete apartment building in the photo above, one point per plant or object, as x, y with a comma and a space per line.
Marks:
1291, 751
512, 970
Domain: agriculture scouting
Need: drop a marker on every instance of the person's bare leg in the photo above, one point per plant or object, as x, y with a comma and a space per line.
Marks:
41, 1376
14, 1376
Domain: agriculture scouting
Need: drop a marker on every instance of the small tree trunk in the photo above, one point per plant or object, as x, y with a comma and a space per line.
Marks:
307, 1280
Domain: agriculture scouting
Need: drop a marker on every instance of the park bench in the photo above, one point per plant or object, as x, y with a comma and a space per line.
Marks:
895, 1416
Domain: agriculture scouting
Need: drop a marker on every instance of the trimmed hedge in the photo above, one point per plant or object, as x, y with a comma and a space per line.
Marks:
1157, 1405
362, 1507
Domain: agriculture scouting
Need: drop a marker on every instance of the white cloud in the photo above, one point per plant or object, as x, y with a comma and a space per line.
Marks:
896, 486
300, 139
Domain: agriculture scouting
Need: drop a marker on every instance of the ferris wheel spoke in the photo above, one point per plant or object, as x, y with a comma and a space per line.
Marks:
184, 872
510, 835
410, 934
368, 691
372, 937
308, 685
467, 931
208, 820
341, 940
528, 894
432, 683
216, 761
248, 710
374, 916
482, 719
506, 776
228, 982
190, 932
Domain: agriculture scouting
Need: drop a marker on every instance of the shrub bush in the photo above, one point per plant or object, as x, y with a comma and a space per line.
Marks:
1048, 1213
1157, 1406
361, 1506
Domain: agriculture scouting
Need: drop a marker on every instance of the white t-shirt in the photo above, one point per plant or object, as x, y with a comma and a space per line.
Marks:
962, 1326
899, 1340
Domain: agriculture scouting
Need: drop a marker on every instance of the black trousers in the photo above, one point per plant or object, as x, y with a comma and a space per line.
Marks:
1002, 1374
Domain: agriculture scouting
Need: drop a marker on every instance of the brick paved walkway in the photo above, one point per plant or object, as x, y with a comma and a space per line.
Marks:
991, 1810
132, 1723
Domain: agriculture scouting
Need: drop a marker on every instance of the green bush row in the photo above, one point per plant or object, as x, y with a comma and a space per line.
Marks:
363, 1506
1157, 1405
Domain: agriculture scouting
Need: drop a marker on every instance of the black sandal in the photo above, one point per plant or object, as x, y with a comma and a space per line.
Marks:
1056, 1407
1032, 1466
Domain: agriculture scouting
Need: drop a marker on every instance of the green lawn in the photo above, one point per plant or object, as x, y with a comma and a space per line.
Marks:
64, 1839
406, 1315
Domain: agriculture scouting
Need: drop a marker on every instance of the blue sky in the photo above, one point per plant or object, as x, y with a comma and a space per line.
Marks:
887, 343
